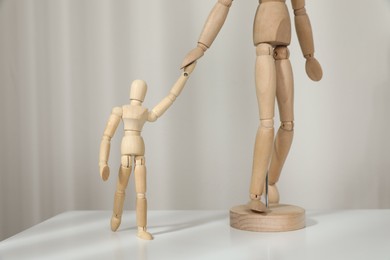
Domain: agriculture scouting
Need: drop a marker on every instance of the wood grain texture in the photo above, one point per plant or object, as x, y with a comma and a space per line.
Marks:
279, 218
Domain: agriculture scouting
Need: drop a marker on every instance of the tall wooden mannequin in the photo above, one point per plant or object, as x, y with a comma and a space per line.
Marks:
134, 117
274, 80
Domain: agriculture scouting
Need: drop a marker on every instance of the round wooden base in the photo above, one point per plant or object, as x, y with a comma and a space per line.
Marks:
278, 218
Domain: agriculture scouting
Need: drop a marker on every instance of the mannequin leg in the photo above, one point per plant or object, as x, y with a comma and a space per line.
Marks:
123, 180
141, 203
284, 137
265, 91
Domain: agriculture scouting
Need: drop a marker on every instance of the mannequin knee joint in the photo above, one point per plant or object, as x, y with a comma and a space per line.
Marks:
281, 53
141, 196
287, 126
264, 49
267, 123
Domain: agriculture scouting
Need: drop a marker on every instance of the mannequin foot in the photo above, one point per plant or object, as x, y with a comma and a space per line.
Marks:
273, 194
257, 206
115, 223
143, 234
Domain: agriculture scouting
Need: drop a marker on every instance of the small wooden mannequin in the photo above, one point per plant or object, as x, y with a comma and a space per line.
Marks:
134, 117
274, 80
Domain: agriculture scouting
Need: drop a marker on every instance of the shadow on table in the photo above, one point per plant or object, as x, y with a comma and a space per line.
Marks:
176, 225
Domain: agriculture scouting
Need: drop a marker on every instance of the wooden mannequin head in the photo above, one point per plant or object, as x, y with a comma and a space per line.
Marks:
138, 90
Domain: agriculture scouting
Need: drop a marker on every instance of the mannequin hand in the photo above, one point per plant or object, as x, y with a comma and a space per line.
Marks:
189, 68
192, 56
313, 69
104, 172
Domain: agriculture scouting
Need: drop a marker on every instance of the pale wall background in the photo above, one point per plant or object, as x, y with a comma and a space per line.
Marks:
65, 63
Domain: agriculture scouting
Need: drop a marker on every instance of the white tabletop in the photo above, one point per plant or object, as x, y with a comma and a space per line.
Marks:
349, 234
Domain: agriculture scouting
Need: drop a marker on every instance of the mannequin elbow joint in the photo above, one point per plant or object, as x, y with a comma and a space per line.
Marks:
227, 3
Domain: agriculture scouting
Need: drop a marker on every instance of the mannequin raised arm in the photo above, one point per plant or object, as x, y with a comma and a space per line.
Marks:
210, 31
175, 91
305, 37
